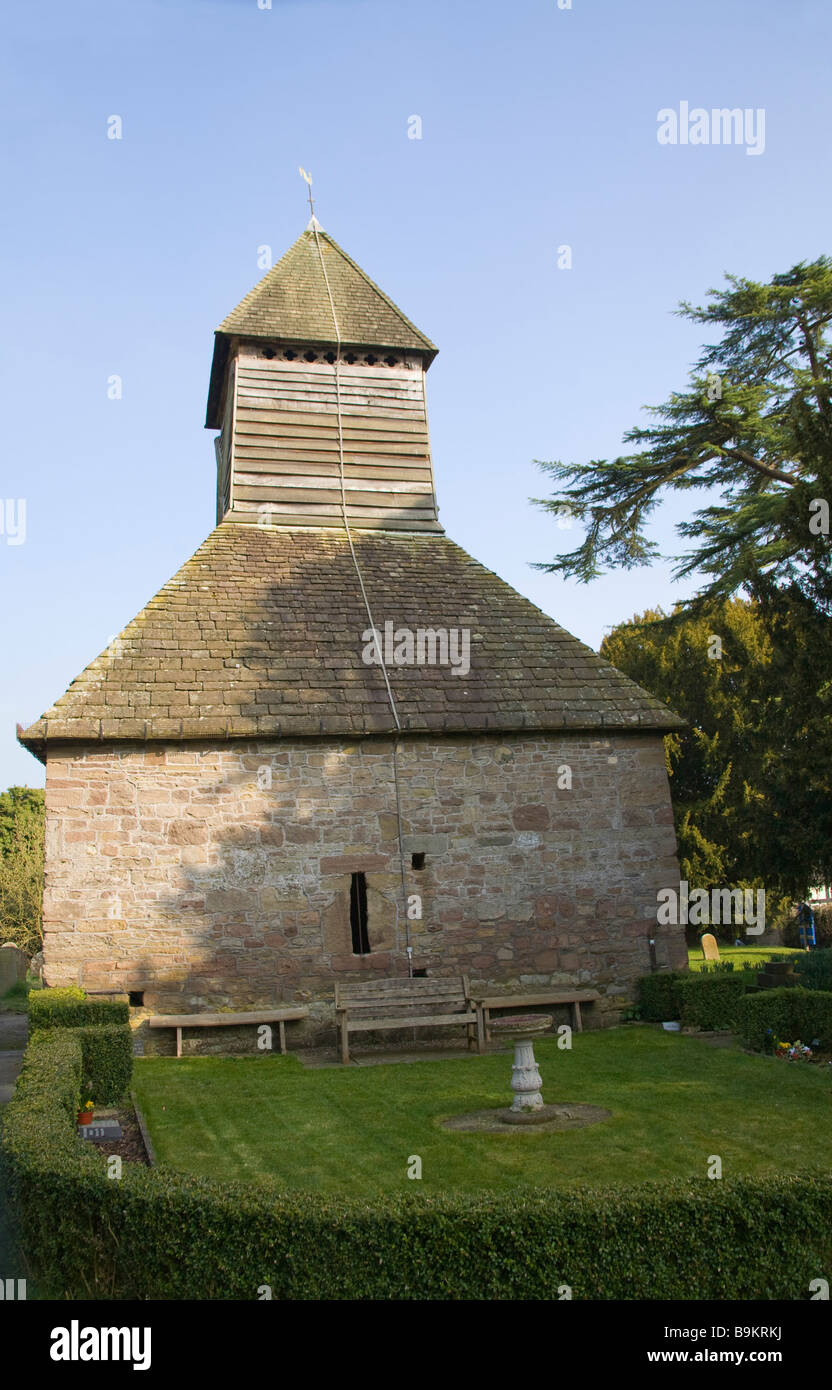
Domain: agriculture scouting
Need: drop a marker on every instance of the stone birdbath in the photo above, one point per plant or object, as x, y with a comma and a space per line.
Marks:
527, 1107
522, 1029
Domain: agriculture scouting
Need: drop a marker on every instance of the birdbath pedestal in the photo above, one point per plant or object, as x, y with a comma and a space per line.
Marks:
522, 1029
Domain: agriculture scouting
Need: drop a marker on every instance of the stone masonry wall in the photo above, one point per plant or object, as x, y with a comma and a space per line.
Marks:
217, 875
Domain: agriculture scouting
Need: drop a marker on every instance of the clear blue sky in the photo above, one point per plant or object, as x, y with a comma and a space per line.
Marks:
539, 128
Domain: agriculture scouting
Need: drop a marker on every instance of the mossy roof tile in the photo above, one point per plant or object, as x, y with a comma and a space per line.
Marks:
269, 640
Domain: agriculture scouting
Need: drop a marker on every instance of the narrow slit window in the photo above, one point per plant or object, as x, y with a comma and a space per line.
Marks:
417, 861
358, 915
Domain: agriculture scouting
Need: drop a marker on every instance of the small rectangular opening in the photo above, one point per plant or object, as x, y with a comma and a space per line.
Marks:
358, 915
136, 998
417, 861
420, 974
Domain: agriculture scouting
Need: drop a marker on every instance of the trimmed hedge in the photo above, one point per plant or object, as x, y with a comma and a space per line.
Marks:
815, 969
789, 1013
659, 995
701, 998
711, 1001
106, 1061
71, 1008
107, 1055
102, 1028
155, 1234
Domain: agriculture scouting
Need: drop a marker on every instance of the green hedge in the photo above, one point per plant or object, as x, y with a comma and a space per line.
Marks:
815, 969
789, 1014
154, 1234
701, 999
659, 995
71, 1008
107, 1062
711, 1001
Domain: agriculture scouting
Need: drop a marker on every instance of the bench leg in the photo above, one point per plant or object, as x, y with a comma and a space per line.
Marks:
480, 1031
345, 1044
282, 1026
179, 1042
579, 1027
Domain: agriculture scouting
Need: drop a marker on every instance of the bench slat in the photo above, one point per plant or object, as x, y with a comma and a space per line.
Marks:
225, 1020
362, 1005
517, 1001
365, 1025
391, 989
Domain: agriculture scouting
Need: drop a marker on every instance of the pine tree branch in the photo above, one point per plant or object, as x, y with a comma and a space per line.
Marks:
821, 393
743, 456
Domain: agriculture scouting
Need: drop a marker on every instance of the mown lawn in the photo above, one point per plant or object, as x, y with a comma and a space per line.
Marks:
675, 1101
744, 955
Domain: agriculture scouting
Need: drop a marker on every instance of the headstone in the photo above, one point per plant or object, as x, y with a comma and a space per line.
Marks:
710, 949
13, 965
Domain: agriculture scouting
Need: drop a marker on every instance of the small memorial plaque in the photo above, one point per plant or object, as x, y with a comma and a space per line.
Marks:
105, 1132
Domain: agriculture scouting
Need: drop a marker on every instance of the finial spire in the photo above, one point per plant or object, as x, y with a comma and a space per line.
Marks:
313, 221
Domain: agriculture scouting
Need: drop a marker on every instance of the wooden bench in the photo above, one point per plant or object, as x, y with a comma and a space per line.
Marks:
485, 1003
404, 1003
180, 1021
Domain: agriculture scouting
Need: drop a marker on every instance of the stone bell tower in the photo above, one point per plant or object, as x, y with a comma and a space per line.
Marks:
241, 807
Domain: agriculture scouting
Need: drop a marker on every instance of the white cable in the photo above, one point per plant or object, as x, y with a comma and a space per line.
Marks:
373, 629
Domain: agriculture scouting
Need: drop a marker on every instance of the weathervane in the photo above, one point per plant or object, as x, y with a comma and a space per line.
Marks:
308, 178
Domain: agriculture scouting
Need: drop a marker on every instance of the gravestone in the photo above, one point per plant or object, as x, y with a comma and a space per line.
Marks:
710, 949
13, 965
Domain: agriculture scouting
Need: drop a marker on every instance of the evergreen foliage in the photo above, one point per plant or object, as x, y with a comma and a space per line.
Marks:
751, 778
754, 426
21, 867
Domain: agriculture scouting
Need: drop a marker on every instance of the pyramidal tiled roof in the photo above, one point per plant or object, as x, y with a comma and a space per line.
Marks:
291, 301
260, 633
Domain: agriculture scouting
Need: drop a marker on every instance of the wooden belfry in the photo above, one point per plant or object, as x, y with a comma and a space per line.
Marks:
275, 398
